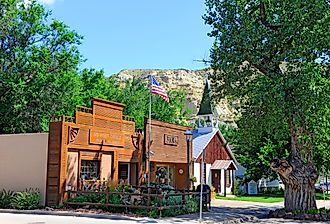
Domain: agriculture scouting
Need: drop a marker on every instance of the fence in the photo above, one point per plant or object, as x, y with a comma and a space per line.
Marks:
153, 199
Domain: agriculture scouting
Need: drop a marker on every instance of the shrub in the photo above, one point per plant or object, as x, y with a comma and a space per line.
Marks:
6, 198
93, 198
192, 205
28, 199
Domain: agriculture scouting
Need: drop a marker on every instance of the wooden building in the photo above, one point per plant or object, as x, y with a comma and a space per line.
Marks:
99, 143
210, 145
169, 154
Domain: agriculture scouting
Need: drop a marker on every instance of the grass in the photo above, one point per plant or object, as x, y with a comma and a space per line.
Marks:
266, 198
255, 198
320, 196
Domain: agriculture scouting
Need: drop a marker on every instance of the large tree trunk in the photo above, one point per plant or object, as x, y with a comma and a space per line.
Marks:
298, 172
299, 179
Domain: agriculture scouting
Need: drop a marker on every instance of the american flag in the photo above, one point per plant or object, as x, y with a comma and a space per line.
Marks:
158, 90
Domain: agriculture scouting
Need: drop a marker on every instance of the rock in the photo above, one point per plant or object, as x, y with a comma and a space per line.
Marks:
80, 210
281, 213
299, 216
49, 209
86, 207
314, 217
324, 217
273, 213
192, 81
289, 215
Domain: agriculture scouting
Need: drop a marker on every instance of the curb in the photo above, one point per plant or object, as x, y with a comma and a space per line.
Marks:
70, 213
126, 218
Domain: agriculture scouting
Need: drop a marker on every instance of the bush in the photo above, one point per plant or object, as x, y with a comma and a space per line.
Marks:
6, 198
29, 199
191, 204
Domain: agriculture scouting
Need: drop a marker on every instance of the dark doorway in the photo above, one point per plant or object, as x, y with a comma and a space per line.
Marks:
216, 180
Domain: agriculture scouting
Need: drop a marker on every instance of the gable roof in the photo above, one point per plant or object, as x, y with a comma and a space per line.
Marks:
223, 165
201, 140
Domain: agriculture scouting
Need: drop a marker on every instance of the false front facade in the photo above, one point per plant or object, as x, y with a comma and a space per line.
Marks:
97, 146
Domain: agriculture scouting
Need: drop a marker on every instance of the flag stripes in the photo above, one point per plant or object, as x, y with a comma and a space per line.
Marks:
158, 90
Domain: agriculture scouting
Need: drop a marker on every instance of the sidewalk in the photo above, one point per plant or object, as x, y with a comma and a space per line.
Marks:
223, 211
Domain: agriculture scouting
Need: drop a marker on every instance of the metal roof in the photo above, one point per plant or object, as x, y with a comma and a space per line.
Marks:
223, 165
201, 140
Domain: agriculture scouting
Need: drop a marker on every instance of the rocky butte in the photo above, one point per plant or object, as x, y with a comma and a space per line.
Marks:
191, 81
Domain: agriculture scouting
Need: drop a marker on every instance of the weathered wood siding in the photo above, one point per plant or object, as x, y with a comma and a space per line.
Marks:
93, 132
167, 152
215, 150
53, 163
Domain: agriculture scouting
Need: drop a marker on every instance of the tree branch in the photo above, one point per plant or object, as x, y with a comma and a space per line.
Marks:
263, 18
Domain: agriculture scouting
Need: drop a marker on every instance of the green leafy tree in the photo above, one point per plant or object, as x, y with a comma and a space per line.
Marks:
175, 111
135, 95
273, 57
95, 84
38, 67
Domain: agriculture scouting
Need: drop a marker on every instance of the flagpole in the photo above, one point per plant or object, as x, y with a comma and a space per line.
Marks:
149, 135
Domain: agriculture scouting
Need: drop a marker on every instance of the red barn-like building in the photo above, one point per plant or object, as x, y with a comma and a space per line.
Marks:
211, 149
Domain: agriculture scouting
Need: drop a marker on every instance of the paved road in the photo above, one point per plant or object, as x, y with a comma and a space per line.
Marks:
222, 212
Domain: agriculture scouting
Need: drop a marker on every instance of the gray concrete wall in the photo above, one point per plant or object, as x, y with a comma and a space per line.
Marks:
23, 162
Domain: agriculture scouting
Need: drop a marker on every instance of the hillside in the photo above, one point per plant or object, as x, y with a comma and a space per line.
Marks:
192, 81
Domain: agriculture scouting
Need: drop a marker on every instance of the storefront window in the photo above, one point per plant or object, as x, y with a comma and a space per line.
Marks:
124, 173
89, 170
165, 175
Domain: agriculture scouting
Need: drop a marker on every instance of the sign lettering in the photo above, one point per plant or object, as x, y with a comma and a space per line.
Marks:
171, 139
106, 138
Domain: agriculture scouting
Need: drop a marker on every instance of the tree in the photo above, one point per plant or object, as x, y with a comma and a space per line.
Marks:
135, 95
273, 57
175, 111
95, 84
38, 67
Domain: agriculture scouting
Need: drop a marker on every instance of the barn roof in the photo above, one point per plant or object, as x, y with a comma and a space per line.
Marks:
201, 140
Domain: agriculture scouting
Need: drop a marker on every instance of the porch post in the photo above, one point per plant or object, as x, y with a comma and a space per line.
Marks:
224, 189
233, 182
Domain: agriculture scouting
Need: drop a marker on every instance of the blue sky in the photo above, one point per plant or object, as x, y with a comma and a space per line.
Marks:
128, 34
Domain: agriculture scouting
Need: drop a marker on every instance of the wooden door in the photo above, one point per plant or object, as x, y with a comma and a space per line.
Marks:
216, 180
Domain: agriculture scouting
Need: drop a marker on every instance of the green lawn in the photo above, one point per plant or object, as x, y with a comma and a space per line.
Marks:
320, 196
266, 198
256, 198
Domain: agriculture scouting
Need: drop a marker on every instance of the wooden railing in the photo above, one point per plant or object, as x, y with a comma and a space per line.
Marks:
128, 118
62, 118
84, 109
138, 199
93, 185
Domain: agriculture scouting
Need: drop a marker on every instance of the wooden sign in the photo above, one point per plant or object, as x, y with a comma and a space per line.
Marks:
113, 138
171, 139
